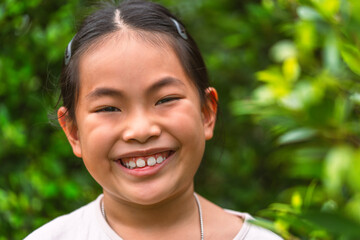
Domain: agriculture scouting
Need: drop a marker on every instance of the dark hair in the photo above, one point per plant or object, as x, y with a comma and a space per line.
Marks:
145, 18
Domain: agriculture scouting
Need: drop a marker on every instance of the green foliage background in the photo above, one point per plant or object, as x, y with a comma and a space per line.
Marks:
287, 145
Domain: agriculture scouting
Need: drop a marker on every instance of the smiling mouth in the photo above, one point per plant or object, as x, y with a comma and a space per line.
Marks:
144, 161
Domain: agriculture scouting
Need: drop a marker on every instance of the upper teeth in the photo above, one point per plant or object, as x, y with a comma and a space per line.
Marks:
132, 164
160, 159
142, 161
151, 161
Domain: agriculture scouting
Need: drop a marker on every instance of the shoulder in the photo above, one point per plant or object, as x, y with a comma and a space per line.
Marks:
227, 224
218, 223
68, 226
250, 231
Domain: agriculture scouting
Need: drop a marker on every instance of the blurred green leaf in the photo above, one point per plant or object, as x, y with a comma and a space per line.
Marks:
306, 37
351, 56
353, 176
328, 7
296, 135
308, 13
334, 223
283, 50
291, 69
331, 53
337, 166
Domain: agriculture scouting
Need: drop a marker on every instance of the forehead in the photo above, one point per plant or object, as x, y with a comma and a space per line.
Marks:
131, 58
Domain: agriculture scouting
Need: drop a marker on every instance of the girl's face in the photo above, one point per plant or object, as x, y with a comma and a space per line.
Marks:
140, 127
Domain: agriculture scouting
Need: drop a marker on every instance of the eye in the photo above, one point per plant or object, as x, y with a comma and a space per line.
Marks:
108, 109
166, 100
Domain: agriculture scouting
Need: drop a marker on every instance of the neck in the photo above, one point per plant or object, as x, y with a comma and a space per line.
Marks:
177, 212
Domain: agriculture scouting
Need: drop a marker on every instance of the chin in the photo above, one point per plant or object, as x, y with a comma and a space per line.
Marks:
150, 196
147, 200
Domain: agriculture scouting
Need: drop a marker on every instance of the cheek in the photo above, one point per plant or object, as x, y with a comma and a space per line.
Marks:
96, 137
186, 125
95, 145
190, 134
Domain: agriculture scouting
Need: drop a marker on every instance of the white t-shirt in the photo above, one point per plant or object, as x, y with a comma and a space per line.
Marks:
88, 223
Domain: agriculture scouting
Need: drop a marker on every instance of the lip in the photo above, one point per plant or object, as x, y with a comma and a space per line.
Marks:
147, 170
144, 152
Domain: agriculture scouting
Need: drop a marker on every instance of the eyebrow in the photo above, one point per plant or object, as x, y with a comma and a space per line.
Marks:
105, 92
165, 82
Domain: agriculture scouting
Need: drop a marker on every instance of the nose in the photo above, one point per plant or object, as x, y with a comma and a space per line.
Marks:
140, 126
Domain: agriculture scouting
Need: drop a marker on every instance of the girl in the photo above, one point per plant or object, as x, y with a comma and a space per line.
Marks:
138, 108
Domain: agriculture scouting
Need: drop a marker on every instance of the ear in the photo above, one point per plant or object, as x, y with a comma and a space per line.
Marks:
70, 129
209, 111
